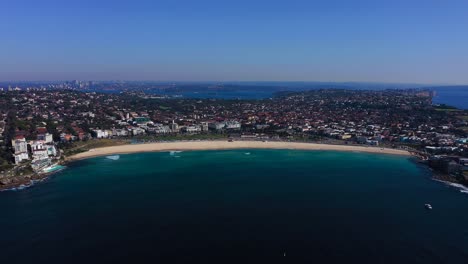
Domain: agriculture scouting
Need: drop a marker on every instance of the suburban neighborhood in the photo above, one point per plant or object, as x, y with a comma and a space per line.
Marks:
40, 124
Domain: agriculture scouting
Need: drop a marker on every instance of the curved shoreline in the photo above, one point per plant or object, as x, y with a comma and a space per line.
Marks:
219, 145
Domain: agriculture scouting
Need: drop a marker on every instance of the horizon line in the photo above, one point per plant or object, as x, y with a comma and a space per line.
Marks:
237, 81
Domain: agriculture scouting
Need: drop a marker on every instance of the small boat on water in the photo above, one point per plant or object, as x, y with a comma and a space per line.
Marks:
428, 206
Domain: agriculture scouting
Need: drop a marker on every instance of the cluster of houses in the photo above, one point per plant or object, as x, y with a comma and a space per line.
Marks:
438, 138
368, 117
40, 152
138, 126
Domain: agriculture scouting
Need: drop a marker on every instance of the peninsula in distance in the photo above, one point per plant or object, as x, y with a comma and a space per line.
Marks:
244, 132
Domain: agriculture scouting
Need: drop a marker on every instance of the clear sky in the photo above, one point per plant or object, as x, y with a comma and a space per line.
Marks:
235, 40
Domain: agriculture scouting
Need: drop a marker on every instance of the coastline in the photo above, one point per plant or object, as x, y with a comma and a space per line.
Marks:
224, 144
29, 180
25, 181
21, 182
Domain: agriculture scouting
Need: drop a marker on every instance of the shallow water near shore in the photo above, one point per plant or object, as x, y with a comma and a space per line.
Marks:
221, 206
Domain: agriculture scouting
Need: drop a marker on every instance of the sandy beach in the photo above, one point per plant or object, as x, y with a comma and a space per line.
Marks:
216, 145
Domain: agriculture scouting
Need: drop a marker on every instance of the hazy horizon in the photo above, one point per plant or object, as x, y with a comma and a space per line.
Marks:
234, 82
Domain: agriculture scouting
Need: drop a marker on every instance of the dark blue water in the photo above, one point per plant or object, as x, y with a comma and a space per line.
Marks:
241, 94
450, 95
454, 96
230, 206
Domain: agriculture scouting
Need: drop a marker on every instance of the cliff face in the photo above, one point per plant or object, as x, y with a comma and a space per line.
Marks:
464, 177
445, 165
13, 181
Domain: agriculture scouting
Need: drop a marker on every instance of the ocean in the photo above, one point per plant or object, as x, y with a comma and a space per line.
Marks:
242, 95
243, 206
451, 95
454, 96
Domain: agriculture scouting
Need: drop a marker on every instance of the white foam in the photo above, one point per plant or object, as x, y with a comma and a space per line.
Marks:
113, 157
247, 153
173, 152
19, 188
23, 186
462, 188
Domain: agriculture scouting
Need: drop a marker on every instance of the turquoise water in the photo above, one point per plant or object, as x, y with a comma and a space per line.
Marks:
248, 206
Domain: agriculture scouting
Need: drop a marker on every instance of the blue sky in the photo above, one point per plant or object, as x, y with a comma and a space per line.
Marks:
376, 41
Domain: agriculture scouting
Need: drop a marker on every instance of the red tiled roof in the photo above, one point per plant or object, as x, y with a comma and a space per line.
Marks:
41, 130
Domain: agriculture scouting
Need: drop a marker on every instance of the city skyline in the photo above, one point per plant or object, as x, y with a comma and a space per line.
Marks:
364, 41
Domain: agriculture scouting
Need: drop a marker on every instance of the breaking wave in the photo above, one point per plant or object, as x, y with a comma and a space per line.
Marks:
462, 188
113, 157
24, 186
173, 152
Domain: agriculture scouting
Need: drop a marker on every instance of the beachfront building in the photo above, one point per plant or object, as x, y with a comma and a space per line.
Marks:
345, 136
38, 164
101, 133
192, 129
20, 148
138, 131
51, 150
42, 153
232, 125
65, 137
174, 127
20, 157
217, 125
142, 121
204, 126
368, 141
120, 132
19, 145
47, 138
39, 150
159, 129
